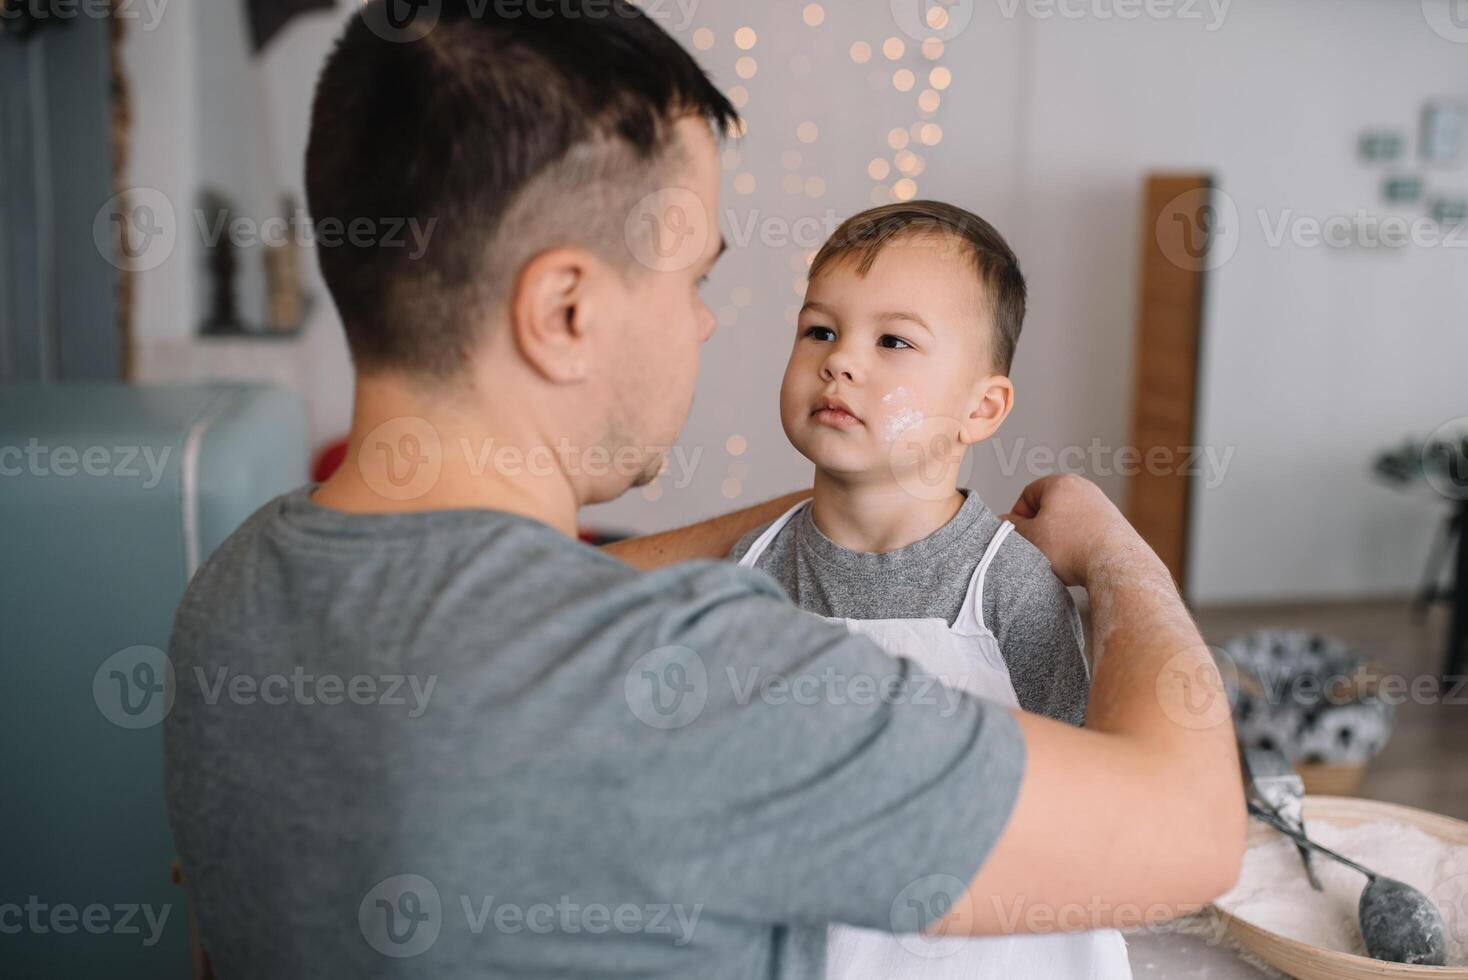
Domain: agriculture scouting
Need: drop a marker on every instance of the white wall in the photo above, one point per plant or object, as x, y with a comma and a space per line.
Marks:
210, 113
1316, 357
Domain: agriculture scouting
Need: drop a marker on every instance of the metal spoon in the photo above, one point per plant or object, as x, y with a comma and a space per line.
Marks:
1398, 923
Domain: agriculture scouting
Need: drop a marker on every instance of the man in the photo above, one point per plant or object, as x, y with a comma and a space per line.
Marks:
503, 753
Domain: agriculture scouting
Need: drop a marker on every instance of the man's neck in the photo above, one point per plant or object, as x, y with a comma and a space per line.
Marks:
879, 516
408, 453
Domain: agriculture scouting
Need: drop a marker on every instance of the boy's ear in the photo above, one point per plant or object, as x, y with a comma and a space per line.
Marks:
994, 400
552, 310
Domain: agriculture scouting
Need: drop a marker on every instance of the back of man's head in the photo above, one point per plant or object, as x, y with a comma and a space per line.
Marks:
498, 130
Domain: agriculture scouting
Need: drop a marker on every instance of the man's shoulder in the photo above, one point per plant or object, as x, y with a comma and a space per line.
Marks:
487, 569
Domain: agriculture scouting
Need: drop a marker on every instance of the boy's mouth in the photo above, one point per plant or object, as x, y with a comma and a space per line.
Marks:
835, 413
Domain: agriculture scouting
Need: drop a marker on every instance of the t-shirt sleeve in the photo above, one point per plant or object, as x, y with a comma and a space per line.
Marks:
806, 776
1040, 636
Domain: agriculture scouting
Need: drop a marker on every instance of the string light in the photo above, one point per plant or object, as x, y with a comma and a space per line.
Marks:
861, 52
932, 134
893, 48
878, 169
940, 78
745, 183
933, 48
745, 38
703, 39
739, 95
905, 189
815, 14
903, 80
897, 139
746, 67
929, 101
808, 132
736, 445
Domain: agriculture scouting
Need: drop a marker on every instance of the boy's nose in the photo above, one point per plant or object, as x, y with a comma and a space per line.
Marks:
838, 366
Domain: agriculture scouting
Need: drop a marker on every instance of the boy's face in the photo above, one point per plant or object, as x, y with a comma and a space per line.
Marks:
893, 367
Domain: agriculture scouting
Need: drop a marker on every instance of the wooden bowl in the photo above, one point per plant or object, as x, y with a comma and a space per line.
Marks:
1311, 962
1332, 779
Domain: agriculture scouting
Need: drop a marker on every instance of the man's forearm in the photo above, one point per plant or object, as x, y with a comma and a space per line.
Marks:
707, 539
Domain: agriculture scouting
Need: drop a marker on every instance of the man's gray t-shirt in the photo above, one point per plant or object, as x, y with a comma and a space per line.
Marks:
461, 744
1026, 607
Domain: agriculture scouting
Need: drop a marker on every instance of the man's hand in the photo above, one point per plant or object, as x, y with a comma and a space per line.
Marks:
1073, 523
1138, 816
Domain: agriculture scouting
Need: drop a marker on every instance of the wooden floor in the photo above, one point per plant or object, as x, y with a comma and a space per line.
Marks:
1424, 764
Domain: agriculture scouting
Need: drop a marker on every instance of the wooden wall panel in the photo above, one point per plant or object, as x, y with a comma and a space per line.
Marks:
1176, 220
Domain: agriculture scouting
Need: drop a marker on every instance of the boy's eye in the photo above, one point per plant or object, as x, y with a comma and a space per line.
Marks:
893, 343
819, 333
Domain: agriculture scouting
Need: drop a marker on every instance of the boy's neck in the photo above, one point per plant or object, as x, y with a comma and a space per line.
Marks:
878, 516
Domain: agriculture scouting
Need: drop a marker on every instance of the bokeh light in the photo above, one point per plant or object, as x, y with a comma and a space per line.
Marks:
898, 138
878, 169
861, 52
746, 67
903, 80
745, 38
893, 48
703, 39
905, 189
929, 101
808, 132
814, 14
940, 78
745, 183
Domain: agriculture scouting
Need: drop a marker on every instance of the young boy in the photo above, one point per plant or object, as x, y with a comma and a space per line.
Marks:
901, 361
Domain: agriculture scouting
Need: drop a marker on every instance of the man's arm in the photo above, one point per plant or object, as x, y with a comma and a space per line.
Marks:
1138, 817
708, 539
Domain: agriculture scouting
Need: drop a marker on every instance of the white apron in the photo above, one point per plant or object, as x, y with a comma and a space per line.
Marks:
966, 657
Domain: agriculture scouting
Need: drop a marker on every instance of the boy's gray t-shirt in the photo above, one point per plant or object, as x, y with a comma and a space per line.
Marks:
460, 744
1027, 608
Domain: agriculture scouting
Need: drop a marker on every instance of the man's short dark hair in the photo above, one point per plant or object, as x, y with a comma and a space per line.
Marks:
864, 236
502, 131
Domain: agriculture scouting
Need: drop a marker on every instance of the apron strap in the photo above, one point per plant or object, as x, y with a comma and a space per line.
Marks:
763, 541
970, 621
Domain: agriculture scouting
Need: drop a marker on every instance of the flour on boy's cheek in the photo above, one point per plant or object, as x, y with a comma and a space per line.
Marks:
899, 413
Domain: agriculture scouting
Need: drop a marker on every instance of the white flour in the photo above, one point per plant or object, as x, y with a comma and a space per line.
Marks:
900, 413
1273, 893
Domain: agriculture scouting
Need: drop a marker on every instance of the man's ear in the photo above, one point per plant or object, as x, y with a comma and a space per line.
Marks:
993, 400
552, 313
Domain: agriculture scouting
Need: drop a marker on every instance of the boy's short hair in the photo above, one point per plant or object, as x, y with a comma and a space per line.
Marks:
864, 236
502, 132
